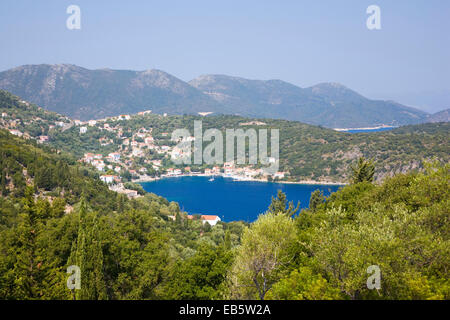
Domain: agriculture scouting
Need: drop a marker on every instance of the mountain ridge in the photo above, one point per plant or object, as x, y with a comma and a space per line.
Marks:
440, 116
328, 104
88, 94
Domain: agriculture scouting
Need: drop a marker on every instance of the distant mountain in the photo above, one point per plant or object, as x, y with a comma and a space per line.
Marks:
87, 94
326, 104
91, 94
441, 116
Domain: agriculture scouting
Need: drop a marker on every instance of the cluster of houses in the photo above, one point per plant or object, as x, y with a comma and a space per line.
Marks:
228, 170
92, 123
131, 148
12, 125
40, 139
138, 146
98, 161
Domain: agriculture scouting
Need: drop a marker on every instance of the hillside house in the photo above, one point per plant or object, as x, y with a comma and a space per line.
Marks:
16, 132
115, 156
109, 178
211, 219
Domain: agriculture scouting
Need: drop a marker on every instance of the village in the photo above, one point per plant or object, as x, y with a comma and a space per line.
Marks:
139, 155
144, 157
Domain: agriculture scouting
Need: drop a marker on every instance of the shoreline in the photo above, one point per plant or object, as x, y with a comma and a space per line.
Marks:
367, 128
239, 179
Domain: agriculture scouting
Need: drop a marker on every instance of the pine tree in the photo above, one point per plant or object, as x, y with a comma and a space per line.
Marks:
61, 174
316, 199
363, 171
279, 205
44, 178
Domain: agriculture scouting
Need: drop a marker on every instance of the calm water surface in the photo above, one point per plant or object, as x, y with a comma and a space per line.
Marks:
231, 200
371, 130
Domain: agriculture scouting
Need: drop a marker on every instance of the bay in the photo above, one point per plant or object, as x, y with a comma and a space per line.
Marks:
230, 200
370, 130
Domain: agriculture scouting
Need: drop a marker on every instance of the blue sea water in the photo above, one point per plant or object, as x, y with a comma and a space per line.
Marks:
371, 130
230, 200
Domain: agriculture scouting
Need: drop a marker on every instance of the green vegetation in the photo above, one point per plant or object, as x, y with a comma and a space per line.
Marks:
132, 249
278, 205
26, 117
126, 249
363, 171
265, 250
55, 212
401, 226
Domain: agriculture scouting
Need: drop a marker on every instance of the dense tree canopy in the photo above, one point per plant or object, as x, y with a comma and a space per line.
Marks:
55, 213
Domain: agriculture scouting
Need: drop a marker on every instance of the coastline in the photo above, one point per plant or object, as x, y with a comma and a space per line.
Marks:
238, 179
367, 128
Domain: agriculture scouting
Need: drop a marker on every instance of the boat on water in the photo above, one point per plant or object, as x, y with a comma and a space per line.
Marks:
212, 179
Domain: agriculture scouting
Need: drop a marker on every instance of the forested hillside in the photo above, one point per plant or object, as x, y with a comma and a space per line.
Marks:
330, 250
131, 249
27, 118
55, 213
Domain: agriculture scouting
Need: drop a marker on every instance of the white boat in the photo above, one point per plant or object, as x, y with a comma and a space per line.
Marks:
212, 179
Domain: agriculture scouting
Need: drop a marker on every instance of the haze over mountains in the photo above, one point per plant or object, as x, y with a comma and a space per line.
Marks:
441, 116
89, 94
326, 104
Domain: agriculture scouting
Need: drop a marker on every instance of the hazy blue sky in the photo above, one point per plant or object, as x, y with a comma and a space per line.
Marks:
302, 42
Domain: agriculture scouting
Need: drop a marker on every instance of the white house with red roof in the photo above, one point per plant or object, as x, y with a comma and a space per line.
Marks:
211, 219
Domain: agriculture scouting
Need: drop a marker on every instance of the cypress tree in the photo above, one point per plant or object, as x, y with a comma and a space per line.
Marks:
227, 240
32, 269
87, 254
3, 189
25, 268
